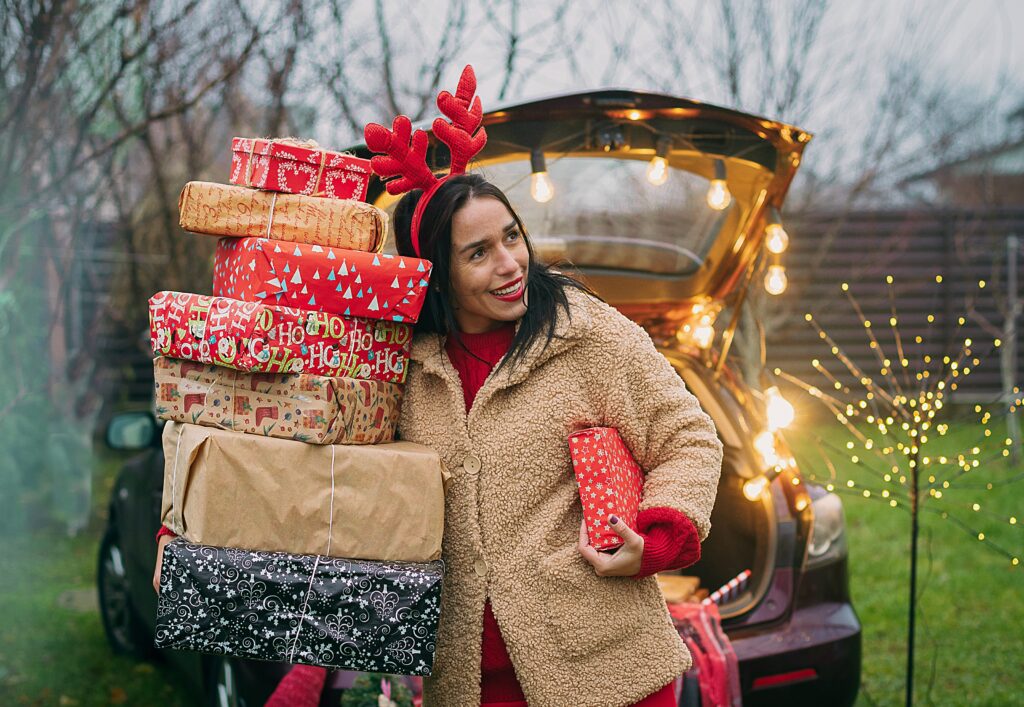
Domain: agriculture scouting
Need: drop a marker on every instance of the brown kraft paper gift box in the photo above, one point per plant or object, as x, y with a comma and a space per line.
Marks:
229, 489
225, 210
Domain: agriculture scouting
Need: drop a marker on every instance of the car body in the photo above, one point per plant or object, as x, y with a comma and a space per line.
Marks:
643, 234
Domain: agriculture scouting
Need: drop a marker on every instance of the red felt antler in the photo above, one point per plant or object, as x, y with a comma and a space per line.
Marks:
466, 114
401, 158
403, 162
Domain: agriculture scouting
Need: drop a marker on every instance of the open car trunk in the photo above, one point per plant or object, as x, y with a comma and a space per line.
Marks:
743, 533
742, 537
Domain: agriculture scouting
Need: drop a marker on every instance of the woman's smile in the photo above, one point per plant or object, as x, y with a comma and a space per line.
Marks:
510, 292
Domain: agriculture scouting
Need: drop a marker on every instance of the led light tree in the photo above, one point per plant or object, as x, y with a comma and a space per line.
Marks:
897, 416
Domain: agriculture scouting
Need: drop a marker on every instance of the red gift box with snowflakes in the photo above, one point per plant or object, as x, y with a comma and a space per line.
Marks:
264, 338
320, 278
610, 482
292, 167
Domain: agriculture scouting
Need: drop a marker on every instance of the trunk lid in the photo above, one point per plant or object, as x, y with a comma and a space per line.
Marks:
653, 251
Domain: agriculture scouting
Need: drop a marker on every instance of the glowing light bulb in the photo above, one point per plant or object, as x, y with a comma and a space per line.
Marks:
718, 195
753, 488
657, 171
776, 281
780, 411
703, 335
541, 188
778, 239
764, 443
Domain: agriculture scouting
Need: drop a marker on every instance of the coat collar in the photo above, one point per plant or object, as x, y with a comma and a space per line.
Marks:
428, 349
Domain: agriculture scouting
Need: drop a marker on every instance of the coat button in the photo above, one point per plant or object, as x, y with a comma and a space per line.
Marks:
480, 567
471, 464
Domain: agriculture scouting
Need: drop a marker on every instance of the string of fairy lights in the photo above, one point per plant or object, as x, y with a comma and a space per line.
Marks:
895, 420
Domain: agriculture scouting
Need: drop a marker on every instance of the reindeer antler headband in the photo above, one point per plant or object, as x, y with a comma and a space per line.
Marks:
403, 162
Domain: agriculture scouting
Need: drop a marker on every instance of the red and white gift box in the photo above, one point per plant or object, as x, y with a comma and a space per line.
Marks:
610, 482
249, 336
320, 278
284, 166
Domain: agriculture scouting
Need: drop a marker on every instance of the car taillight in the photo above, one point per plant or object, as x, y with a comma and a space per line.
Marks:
789, 678
828, 534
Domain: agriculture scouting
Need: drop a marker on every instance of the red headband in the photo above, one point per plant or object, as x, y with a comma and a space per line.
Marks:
403, 162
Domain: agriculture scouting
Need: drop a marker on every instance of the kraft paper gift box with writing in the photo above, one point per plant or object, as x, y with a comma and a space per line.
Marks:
379, 502
267, 338
331, 612
610, 482
346, 282
300, 406
287, 166
226, 210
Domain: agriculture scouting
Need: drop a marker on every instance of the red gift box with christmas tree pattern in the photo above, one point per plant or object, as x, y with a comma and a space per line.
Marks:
298, 168
250, 336
313, 277
610, 482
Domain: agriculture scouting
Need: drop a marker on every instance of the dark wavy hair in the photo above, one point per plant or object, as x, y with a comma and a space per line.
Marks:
545, 287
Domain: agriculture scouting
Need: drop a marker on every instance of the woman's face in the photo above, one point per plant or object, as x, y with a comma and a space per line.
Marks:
489, 263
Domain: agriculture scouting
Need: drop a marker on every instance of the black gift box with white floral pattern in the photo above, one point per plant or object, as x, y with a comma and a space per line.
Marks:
336, 613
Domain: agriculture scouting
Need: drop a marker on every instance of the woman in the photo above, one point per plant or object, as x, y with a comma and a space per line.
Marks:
511, 357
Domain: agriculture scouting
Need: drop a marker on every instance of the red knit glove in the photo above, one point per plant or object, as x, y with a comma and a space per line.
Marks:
671, 541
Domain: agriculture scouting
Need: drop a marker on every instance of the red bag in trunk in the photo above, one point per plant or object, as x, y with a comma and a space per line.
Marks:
714, 661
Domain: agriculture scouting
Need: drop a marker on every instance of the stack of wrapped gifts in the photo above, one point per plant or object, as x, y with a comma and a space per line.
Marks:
306, 533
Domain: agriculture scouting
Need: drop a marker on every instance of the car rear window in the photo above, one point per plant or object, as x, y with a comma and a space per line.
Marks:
605, 214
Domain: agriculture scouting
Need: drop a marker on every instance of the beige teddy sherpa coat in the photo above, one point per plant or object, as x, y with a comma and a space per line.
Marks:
513, 512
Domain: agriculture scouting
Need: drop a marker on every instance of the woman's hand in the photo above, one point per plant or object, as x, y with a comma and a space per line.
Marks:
624, 562
160, 544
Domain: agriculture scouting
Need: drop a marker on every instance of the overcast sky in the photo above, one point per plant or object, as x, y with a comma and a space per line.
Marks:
969, 48
972, 42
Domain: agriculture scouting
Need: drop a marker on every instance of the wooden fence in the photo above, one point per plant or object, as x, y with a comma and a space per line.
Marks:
862, 249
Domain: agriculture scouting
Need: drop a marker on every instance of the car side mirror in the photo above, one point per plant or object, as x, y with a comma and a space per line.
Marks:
132, 431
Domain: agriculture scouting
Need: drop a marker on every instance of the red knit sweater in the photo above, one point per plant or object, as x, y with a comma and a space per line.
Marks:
670, 538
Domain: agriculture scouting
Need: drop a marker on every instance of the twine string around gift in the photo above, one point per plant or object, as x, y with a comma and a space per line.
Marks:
316, 565
319, 173
270, 218
176, 507
232, 406
248, 166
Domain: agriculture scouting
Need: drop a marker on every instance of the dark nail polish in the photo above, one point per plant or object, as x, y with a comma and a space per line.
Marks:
613, 520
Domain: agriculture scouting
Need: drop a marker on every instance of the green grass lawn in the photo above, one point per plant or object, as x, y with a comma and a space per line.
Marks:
52, 647
969, 647
971, 606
